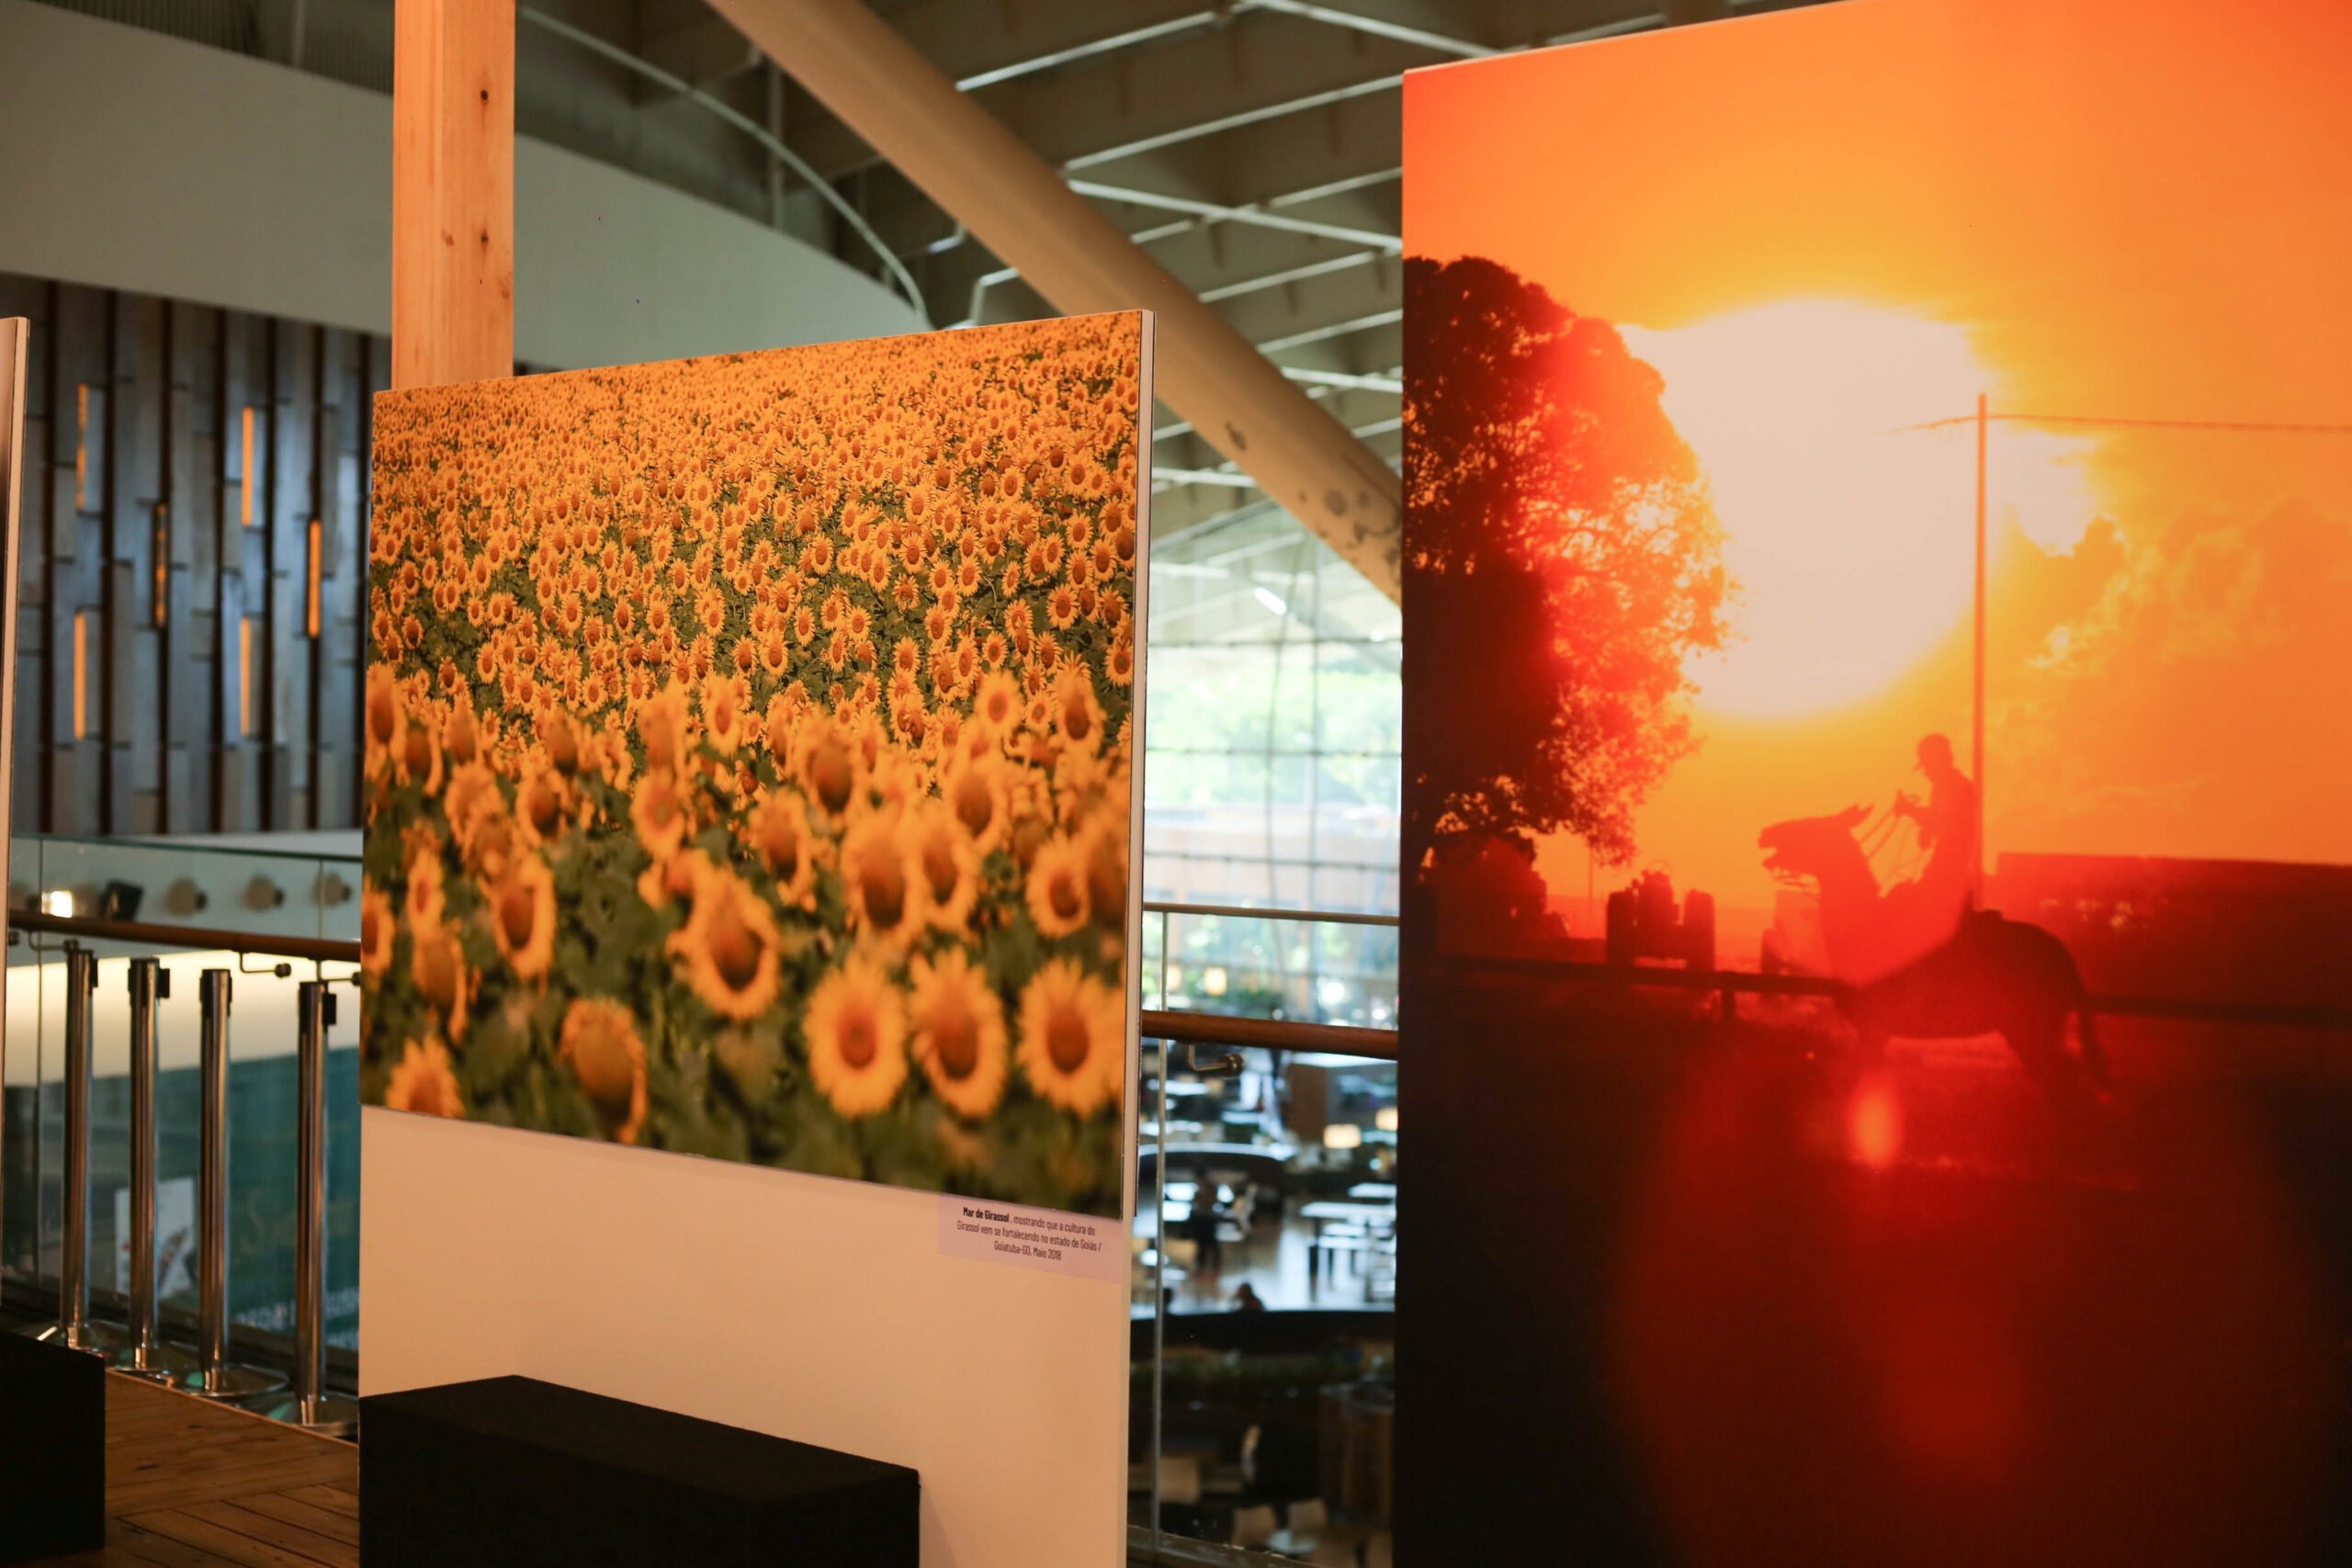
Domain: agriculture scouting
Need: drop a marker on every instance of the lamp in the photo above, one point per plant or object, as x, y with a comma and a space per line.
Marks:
1342, 1136
1384, 1118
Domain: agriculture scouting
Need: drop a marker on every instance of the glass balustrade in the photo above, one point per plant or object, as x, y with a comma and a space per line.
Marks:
1265, 1248
193, 885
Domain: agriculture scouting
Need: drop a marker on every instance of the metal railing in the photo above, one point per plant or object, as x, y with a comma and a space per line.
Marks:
140, 1347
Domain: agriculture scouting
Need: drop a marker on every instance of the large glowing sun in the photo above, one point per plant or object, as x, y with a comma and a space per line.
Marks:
1851, 538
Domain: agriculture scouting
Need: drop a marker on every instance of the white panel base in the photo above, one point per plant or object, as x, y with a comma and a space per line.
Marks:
797, 1305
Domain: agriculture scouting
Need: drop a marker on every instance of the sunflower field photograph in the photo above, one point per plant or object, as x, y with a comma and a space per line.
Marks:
748, 756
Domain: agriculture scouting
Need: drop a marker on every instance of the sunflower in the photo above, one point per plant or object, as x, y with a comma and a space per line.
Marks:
563, 739
426, 891
424, 1082
728, 945
779, 833
722, 714
959, 1034
677, 877
437, 965
460, 736
540, 804
418, 755
658, 811
376, 924
384, 717
999, 703
1106, 872
599, 1043
522, 917
832, 768
880, 878
1056, 888
946, 863
857, 1030
1074, 1038
1077, 716
492, 841
662, 725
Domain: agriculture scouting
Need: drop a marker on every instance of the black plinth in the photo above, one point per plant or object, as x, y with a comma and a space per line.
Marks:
52, 1450
513, 1472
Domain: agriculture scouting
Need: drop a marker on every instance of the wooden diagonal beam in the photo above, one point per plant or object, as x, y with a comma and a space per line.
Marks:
883, 89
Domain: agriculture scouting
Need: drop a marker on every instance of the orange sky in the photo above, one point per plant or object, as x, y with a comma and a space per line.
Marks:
2131, 207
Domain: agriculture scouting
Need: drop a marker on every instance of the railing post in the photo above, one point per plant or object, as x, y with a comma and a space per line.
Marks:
312, 1405
311, 1217
150, 982
216, 1377
212, 1178
73, 1263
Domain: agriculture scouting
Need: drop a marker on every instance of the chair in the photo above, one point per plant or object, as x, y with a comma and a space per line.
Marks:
1308, 1516
1254, 1524
1338, 1240
1380, 1270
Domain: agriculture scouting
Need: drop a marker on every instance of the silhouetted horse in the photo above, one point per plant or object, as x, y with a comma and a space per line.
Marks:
1988, 975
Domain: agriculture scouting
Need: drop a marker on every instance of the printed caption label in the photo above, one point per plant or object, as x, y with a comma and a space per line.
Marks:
1081, 1244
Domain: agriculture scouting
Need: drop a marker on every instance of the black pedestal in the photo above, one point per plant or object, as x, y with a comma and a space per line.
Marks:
52, 1450
511, 1473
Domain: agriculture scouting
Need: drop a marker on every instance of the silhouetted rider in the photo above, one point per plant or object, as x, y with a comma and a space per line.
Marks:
1946, 829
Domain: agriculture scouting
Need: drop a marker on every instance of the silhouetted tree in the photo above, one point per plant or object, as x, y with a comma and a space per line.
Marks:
1561, 559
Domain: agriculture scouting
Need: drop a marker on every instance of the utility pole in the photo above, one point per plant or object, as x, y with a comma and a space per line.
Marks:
1977, 744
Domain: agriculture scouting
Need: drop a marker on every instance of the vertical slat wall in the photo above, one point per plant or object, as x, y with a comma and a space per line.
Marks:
187, 471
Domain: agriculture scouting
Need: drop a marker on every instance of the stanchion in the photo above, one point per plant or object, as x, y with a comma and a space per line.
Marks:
217, 1377
310, 1404
73, 1326
145, 1354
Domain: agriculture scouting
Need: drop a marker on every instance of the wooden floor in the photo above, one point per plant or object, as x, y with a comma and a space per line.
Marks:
193, 1485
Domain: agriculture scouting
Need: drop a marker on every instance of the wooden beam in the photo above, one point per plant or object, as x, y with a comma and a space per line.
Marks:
453, 191
883, 89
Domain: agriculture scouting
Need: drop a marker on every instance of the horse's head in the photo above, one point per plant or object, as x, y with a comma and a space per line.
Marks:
1814, 846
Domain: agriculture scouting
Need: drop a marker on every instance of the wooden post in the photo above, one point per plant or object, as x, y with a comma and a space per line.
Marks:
453, 191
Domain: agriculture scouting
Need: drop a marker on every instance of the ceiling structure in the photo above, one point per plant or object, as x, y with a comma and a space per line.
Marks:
1253, 147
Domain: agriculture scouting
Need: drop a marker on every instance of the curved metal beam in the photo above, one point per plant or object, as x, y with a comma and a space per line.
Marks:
906, 109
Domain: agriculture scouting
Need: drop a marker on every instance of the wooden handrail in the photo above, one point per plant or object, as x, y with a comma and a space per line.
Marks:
1269, 1033
314, 949
1257, 912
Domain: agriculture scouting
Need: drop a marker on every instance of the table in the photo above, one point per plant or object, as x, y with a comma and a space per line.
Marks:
1374, 1193
1331, 1211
